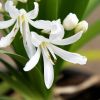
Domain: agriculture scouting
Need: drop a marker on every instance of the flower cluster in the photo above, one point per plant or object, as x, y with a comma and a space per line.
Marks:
35, 44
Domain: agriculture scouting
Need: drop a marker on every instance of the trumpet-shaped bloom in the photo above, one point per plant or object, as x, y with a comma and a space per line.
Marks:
20, 19
48, 48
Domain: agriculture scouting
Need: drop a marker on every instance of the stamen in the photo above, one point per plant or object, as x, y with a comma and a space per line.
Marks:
46, 52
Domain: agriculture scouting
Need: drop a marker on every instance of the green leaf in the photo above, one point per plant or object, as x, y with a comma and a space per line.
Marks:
52, 9
37, 83
18, 45
17, 57
48, 9
16, 85
91, 6
16, 72
5, 98
12, 70
73, 6
92, 32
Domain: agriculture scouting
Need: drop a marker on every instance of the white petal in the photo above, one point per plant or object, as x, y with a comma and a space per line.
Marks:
69, 40
11, 9
34, 13
38, 39
48, 72
35, 39
33, 61
57, 30
70, 57
41, 24
6, 24
30, 49
6, 41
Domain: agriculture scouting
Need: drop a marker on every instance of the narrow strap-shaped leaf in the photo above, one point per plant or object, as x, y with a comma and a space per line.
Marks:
49, 9
17, 57
52, 8
18, 45
18, 74
92, 32
73, 6
16, 85
12, 70
91, 6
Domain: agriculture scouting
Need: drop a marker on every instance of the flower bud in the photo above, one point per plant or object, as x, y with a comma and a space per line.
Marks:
82, 26
70, 22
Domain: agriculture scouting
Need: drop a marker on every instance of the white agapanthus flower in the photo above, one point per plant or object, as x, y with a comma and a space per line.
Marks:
48, 48
20, 19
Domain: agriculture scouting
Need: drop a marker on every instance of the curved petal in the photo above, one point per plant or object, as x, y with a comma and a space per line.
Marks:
30, 49
6, 24
11, 9
70, 57
57, 30
34, 13
69, 40
48, 72
41, 24
35, 39
33, 61
6, 41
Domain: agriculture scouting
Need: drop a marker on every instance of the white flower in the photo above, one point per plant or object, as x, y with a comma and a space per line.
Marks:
49, 49
20, 19
70, 22
81, 26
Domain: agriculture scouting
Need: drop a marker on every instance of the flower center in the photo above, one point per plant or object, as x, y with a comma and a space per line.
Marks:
48, 54
44, 44
22, 15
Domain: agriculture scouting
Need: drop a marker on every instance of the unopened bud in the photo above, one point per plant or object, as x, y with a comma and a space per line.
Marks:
82, 26
70, 22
